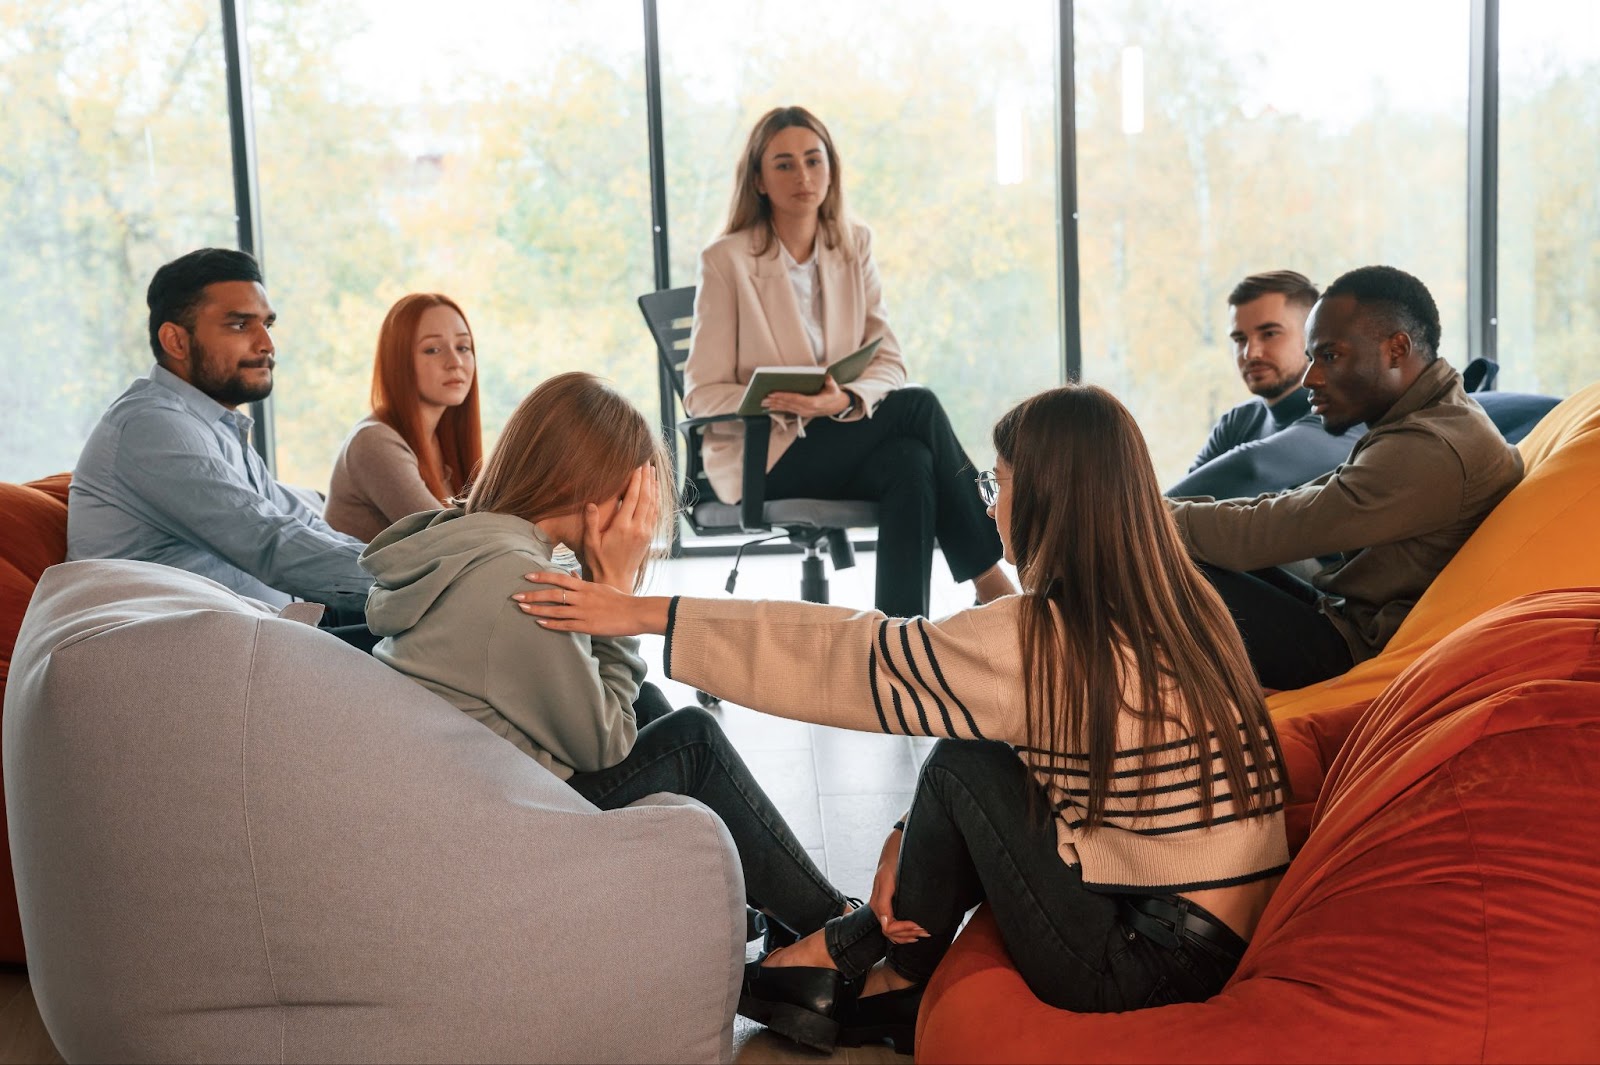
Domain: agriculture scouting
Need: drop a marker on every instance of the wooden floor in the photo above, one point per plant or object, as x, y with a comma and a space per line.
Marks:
22, 1034
840, 791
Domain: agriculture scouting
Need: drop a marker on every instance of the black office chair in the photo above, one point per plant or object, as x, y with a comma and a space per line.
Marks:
1479, 375
811, 523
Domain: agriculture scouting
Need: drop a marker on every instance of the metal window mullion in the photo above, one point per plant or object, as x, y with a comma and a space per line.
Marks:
246, 200
1069, 314
1483, 162
665, 391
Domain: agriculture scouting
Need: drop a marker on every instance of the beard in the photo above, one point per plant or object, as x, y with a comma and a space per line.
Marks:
227, 387
1274, 390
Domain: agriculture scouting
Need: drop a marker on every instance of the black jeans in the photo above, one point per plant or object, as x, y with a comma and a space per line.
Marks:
685, 752
1291, 644
350, 625
907, 459
973, 836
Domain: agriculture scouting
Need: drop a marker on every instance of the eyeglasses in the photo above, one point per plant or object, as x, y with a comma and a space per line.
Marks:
988, 487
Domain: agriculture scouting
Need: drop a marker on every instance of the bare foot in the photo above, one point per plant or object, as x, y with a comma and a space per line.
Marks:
812, 951
881, 978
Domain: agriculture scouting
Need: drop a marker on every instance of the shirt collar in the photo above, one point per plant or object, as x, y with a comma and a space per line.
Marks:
206, 408
1436, 381
789, 261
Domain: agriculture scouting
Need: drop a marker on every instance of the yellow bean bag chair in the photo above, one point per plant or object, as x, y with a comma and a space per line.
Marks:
1544, 535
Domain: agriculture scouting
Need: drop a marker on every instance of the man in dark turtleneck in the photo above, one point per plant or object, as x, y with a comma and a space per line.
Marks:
1267, 327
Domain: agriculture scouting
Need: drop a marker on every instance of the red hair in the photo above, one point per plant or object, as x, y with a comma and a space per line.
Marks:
396, 404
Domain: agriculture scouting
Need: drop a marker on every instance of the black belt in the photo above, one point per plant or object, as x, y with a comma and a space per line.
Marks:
1170, 921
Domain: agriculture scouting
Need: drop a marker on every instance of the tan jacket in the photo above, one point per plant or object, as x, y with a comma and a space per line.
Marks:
1414, 488
961, 677
746, 316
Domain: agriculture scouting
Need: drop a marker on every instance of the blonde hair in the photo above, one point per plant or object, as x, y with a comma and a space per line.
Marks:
571, 442
751, 209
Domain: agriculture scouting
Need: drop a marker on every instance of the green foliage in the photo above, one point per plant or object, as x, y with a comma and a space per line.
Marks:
526, 197
112, 165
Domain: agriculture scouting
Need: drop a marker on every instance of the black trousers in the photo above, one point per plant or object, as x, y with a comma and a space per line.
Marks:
1290, 642
350, 625
685, 752
906, 458
973, 835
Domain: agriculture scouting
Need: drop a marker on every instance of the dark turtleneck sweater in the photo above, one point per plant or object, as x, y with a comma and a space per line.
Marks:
1254, 420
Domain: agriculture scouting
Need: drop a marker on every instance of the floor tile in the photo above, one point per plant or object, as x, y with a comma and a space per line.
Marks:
791, 784
857, 763
752, 731
854, 827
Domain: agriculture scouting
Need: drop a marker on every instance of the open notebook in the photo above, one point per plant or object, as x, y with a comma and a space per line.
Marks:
807, 380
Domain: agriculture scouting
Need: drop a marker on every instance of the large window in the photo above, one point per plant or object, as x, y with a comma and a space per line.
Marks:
1549, 239
114, 130
1217, 140
496, 155
497, 152
943, 114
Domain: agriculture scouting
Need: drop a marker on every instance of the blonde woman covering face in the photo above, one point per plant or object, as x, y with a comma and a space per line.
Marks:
575, 466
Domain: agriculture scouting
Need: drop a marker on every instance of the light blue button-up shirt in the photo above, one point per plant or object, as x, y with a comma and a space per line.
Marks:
169, 476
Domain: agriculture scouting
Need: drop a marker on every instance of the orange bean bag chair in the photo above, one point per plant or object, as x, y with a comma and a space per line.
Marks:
1441, 903
34, 538
1443, 909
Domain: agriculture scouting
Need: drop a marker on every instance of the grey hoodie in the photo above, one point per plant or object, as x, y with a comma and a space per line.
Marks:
441, 597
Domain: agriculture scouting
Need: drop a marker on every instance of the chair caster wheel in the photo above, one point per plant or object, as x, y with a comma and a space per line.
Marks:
707, 700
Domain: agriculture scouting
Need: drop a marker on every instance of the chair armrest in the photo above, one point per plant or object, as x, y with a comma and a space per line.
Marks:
757, 434
688, 425
753, 500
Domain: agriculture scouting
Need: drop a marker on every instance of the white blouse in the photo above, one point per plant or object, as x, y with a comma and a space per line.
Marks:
807, 284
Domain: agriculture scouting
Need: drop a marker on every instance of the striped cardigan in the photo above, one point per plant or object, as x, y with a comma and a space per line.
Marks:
961, 677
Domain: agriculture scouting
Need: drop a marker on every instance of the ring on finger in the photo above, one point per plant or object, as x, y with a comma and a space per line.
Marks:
563, 597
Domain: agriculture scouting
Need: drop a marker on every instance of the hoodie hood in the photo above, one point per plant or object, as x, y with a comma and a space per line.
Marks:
415, 560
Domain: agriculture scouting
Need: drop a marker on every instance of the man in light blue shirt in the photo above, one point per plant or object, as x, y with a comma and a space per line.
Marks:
168, 475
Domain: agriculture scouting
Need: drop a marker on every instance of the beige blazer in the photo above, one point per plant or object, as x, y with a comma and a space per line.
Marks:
746, 316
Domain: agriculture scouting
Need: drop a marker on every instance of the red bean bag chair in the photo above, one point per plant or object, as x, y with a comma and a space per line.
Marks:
1443, 908
33, 537
1367, 952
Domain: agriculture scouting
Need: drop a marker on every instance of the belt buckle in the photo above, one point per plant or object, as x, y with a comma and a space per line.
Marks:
1159, 931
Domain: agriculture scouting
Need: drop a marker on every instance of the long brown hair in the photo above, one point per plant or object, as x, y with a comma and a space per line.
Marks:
395, 402
1110, 590
571, 442
750, 207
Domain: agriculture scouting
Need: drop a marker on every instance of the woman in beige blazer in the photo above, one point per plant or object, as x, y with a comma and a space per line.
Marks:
792, 281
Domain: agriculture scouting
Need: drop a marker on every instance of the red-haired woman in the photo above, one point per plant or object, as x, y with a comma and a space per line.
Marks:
422, 442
